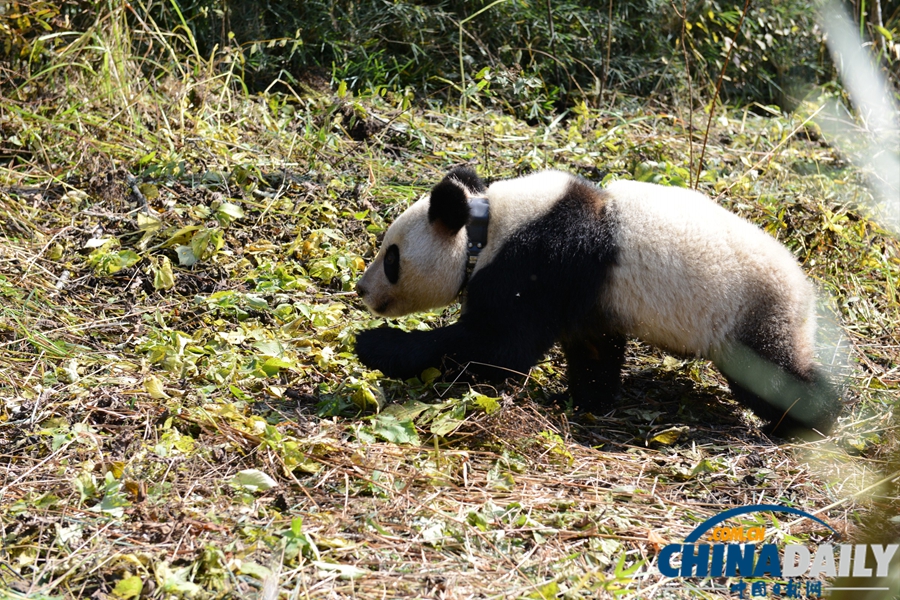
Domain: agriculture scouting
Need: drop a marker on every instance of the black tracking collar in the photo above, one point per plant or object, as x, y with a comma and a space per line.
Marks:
477, 232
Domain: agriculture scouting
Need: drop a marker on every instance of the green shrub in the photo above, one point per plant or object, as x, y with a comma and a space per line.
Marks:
539, 54
779, 52
526, 56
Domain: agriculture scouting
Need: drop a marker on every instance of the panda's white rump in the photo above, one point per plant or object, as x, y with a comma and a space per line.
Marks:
688, 273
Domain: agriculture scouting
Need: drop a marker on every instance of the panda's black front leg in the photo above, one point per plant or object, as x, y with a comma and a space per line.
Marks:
594, 369
401, 354
496, 350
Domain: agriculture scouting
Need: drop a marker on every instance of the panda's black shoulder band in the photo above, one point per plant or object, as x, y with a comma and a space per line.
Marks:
476, 232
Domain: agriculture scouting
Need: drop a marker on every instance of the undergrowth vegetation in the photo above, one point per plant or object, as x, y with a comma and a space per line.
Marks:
526, 58
182, 412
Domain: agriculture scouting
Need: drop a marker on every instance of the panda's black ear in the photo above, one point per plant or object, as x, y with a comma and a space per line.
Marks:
449, 206
469, 178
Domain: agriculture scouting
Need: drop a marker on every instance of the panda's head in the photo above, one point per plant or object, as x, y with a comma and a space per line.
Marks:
421, 264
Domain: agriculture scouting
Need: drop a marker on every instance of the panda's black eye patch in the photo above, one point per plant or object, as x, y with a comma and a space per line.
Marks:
392, 263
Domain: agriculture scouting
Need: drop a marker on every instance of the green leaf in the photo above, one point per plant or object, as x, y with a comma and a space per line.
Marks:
154, 388
429, 375
178, 581
256, 302
228, 213
323, 270
129, 586
186, 256
487, 404
476, 519
343, 571
433, 531
60, 439
704, 466
239, 393
269, 348
406, 411
670, 363
297, 526
46, 501
546, 592
113, 503
148, 223
501, 479
367, 398
207, 242
295, 542
256, 570
150, 191
448, 422
85, 486
272, 366
112, 262
621, 572
390, 429
55, 251
253, 480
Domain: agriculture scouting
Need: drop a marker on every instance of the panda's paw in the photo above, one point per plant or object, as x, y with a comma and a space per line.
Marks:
387, 349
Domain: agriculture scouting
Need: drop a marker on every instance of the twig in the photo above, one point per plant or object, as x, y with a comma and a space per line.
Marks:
136, 190
553, 39
462, 67
712, 105
687, 70
608, 49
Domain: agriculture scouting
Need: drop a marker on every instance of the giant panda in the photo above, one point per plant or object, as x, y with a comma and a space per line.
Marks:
568, 262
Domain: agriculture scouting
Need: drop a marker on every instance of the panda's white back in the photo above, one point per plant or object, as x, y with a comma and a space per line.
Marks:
688, 271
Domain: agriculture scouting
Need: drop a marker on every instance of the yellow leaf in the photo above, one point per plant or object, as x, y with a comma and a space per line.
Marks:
155, 388
669, 436
117, 467
181, 236
163, 276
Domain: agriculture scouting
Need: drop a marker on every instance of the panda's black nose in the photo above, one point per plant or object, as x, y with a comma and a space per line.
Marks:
361, 290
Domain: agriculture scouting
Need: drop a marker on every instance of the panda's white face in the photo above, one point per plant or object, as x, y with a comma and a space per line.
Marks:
420, 266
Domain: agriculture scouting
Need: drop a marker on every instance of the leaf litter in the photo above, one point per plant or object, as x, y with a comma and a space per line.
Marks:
183, 414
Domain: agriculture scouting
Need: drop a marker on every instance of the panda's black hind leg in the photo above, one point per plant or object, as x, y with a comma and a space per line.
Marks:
594, 367
781, 385
792, 406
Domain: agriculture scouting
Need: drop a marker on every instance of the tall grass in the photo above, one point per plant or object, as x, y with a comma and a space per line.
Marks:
530, 58
121, 89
